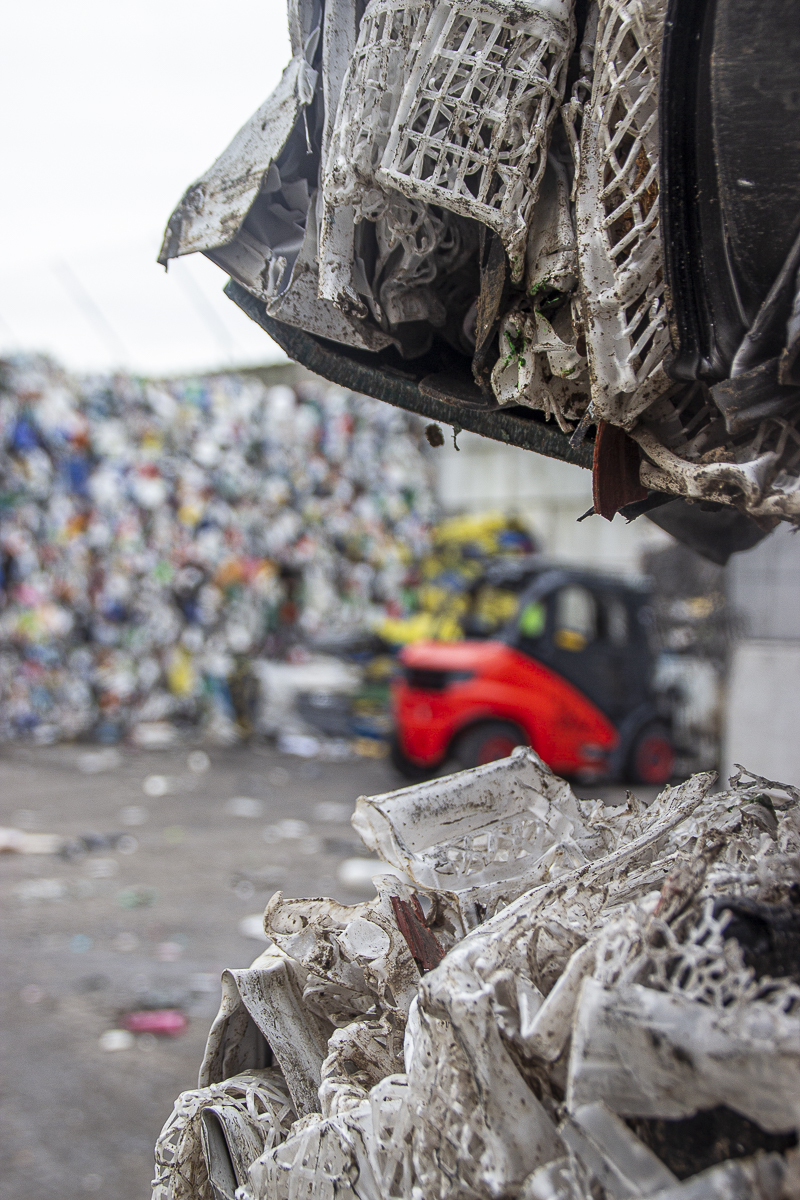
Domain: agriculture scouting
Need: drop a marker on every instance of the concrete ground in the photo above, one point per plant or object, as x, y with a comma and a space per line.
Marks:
150, 921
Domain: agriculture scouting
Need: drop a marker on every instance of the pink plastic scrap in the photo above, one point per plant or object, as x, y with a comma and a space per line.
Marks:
168, 1022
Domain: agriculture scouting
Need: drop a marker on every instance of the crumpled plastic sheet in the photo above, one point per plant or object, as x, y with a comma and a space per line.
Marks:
159, 540
639, 967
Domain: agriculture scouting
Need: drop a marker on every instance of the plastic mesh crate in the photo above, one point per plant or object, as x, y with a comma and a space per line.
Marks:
617, 206
472, 128
370, 94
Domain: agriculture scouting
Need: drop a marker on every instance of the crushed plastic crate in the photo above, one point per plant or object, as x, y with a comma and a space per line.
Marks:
372, 88
549, 998
472, 128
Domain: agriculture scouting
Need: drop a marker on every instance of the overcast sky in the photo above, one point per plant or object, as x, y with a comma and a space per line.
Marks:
109, 111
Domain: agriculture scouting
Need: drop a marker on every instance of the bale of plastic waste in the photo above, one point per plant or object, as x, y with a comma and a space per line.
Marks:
549, 998
158, 539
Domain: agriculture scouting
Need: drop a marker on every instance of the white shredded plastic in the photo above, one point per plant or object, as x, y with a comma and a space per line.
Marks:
256, 1113
470, 1055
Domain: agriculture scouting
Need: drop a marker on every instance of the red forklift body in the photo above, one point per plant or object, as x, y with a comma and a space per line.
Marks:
569, 676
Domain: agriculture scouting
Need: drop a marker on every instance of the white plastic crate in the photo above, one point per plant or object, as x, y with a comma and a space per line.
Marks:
472, 128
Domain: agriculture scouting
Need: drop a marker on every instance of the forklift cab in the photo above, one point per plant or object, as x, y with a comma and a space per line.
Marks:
591, 631
570, 675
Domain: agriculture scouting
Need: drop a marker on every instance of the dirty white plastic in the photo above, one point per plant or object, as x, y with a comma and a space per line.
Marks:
249, 1112
360, 188
471, 132
507, 1064
371, 92
540, 366
619, 243
506, 826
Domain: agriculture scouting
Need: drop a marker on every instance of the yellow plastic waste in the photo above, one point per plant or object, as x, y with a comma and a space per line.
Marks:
494, 606
481, 529
450, 590
181, 675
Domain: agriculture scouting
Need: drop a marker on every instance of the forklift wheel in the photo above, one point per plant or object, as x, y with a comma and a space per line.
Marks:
652, 758
408, 769
487, 742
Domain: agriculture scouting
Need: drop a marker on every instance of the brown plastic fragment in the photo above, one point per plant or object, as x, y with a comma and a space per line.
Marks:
423, 943
615, 471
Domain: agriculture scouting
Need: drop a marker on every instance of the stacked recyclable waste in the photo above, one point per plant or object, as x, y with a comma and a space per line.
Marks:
162, 543
467, 195
465, 583
548, 998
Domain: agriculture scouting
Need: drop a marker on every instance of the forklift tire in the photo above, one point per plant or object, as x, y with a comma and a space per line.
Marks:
405, 767
651, 759
488, 741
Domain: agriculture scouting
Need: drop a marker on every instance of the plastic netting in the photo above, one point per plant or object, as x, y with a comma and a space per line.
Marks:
370, 94
617, 199
472, 129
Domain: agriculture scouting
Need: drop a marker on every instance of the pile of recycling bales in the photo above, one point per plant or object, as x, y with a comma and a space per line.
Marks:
160, 540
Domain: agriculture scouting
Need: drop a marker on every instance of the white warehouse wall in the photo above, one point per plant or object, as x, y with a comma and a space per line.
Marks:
550, 495
763, 710
763, 703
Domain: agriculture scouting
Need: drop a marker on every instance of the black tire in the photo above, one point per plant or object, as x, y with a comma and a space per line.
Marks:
408, 769
651, 758
487, 742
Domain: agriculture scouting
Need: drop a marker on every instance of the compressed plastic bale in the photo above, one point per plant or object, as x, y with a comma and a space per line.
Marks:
506, 1019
